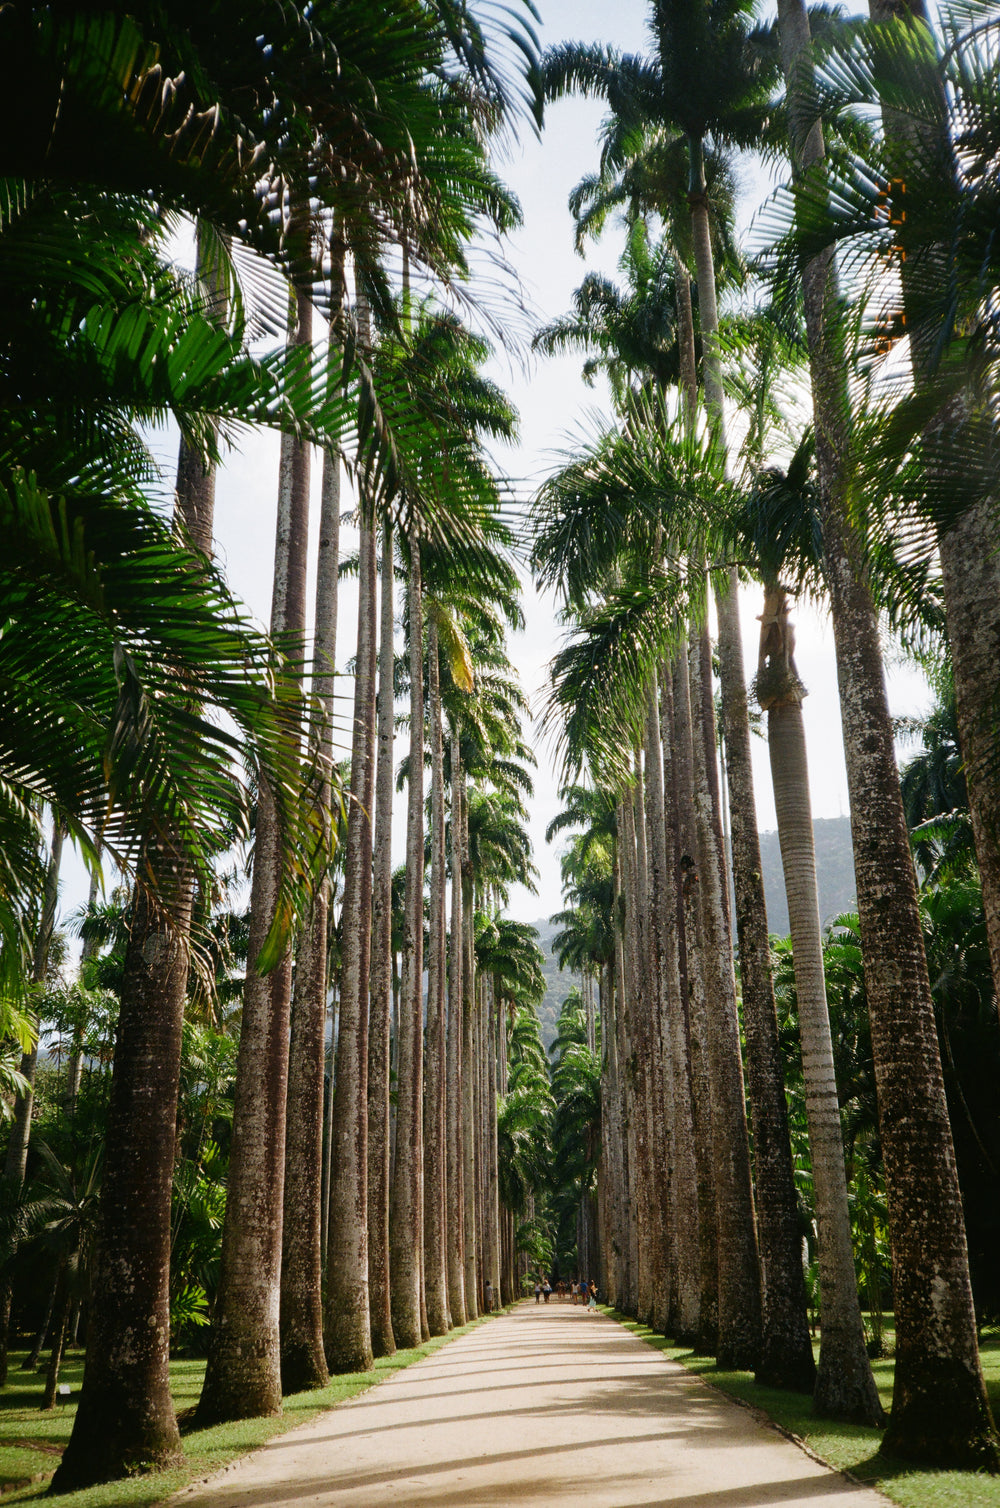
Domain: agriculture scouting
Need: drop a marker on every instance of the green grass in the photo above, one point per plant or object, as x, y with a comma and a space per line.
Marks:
852, 1447
31, 1442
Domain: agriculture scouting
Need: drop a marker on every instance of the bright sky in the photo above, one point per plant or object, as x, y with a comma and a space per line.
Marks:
552, 401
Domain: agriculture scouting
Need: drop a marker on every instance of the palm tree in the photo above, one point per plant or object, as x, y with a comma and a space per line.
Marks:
381, 996
243, 1375
407, 1227
303, 1359
933, 1342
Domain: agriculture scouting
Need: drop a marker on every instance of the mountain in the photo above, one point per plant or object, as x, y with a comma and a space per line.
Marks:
558, 982
837, 892
834, 873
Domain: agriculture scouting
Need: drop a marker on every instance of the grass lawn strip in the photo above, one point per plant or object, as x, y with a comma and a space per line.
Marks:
32, 1441
849, 1448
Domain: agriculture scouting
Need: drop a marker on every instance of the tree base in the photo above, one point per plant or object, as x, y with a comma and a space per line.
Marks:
941, 1418
303, 1369
792, 1374
102, 1458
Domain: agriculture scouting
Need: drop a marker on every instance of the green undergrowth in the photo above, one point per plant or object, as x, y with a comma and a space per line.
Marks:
851, 1447
31, 1441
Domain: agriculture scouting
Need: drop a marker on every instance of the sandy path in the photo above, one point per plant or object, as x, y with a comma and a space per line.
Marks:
545, 1406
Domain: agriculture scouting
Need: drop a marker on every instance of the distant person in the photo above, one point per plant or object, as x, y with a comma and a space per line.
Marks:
547, 1290
592, 1296
538, 1292
489, 1297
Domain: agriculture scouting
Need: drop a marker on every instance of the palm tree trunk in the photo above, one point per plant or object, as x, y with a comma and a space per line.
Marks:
470, 1108
637, 1016
407, 1233
497, 1079
786, 1358
739, 1274
665, 988
64, 1305
30, 1362
125, 1416
435, 1270
629, 1246
380, 1010
16, 1162
940, 1413
685, 1316
455, 1211
74, 1065
970, 569
243, 1374
305, 1214
845, 1388
697, 1012
347, 1325
646, 1001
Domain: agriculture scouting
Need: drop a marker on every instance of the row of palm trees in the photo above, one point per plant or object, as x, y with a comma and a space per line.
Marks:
659, 512
336, 163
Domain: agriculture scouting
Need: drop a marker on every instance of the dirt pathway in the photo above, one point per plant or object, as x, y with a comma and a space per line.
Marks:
544, 1406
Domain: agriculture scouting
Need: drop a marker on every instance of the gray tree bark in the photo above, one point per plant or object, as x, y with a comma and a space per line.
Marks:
381, 1004
940, 1414
407, 1215
243, 1373
346, 1318
435, 1268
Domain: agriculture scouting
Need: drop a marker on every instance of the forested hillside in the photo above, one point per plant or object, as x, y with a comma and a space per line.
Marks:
558, 983
834, 873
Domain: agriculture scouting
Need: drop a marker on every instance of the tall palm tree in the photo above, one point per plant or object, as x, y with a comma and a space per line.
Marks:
381, 998
243, 1374
936, 1341
407, 1227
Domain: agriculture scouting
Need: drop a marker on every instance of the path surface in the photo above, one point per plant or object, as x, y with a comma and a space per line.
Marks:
545, 1406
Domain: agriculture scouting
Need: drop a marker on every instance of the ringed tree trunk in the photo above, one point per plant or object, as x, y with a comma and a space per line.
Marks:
739, 1341
346, 1321
380, 1010
125, 1417
435, 1270
845, 1387
646, 998
970, 567
629, 1248
407, 1217
685, 1319
470, 1098
638, 1048
495, 1027
306, 1207
665, 979
243, 1374
940, 1412
455, 1208
786, 1358
690, 916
